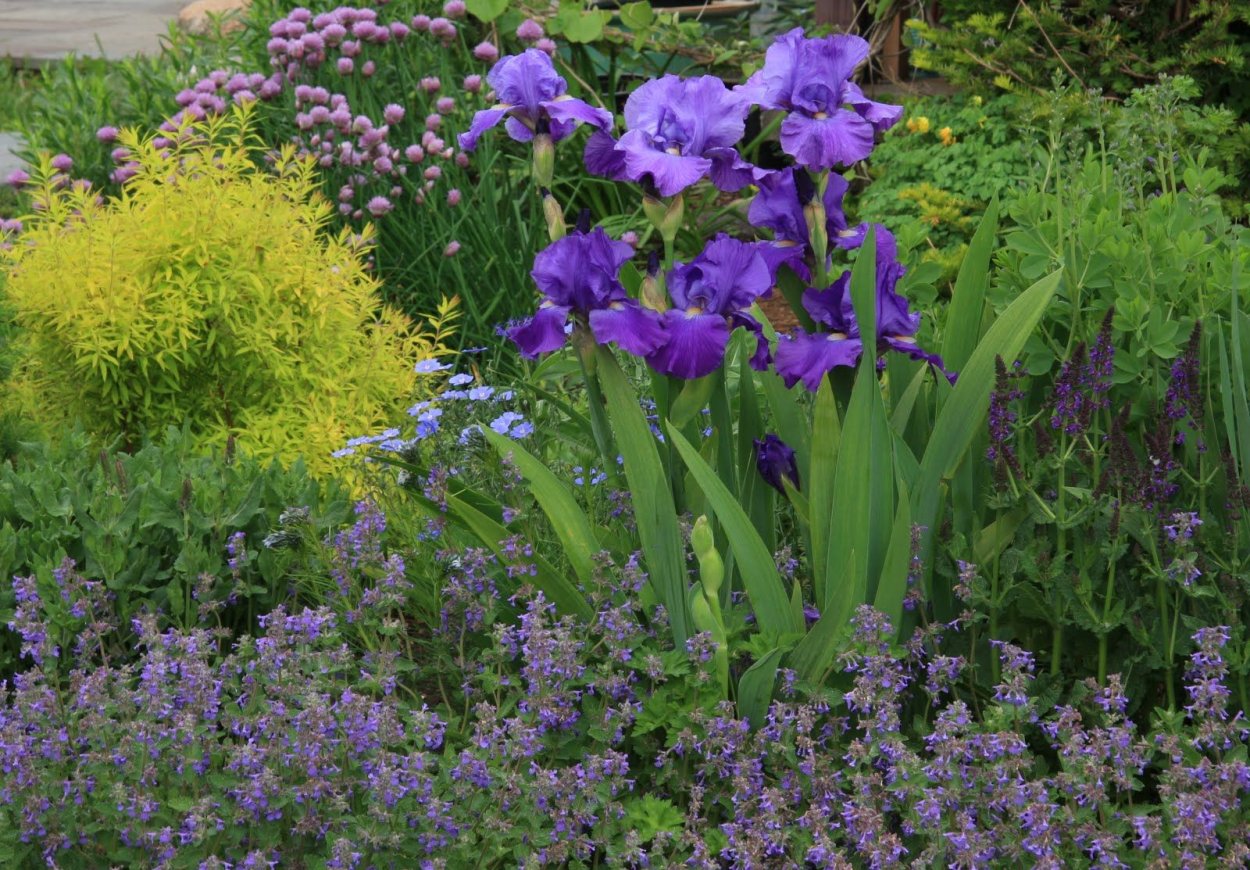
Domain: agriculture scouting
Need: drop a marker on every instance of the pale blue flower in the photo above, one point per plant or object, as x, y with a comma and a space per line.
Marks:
430, 366
460, 380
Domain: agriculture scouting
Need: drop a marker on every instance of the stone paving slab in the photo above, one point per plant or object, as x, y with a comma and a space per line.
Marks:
42, 30
9, 143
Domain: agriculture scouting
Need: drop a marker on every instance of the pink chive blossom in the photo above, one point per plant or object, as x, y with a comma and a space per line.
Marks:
454, 8
432, 122
244, 96
63, 162
333, 33
447, 152
430, 84
358, 214
397, 192
529, 31
346, 193
383, 165
421, 23
368, 69
106, 134
442, 27
473, 83
270, 89
435, 144
119, 154
546, 45
630, 238
462, 160
399, 30
350, 48
453, 197
453, 248
486, 51
345, 208
432, 173
393, 113
445, 105
379, 206
414, 153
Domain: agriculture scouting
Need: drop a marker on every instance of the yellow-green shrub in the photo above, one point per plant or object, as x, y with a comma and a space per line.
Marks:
210, 295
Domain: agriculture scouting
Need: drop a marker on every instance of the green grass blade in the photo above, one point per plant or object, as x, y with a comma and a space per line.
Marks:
813, 655
650, 494
563, 512
826, 439
963, 413
755, 688
892, 586
963, 315
763, 583
558, 588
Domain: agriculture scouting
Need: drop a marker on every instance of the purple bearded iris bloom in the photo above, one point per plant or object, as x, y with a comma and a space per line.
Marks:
531, 92
775, 459
678, 131
808, 357
578, 275
710, 298
810, 79
779, 207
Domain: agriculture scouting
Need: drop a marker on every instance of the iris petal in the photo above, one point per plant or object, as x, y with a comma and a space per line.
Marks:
809, 357
695, 344
636, 329
542, 333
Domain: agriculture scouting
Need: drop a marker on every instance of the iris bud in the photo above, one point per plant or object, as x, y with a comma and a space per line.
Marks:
665, 217
554, 216
544, 159
711, 566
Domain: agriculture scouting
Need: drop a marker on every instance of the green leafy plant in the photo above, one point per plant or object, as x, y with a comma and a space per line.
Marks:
162, 528
209, 294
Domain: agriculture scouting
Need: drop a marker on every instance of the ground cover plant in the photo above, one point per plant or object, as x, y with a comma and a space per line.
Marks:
776, 546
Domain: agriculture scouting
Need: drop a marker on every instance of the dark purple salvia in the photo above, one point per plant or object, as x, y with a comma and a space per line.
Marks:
1100, 366
1002, 417
1184, 400
1072, 406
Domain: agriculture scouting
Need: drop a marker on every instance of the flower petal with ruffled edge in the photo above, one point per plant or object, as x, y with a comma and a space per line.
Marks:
580, 270
482, 121
602, 158
763, 354
882, 116
542, 333
670, 173
840, 139
569, 111
808, 357
636, 329
694, 344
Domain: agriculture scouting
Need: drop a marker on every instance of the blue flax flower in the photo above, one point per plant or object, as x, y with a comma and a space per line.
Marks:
577, 275
711, 296
678, 131
808, 357
532, 95
830, 121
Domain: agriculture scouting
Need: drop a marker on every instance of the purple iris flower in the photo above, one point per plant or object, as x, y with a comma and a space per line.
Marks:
710, 298
808, 357
578, 275
779, 207
678, 131
532, 93
811, 79
775, 459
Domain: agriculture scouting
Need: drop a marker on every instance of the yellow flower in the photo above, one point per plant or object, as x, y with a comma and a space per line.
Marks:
976, 101
947, 137
918, 125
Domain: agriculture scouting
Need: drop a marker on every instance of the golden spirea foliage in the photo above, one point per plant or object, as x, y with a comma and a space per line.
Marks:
209, 294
